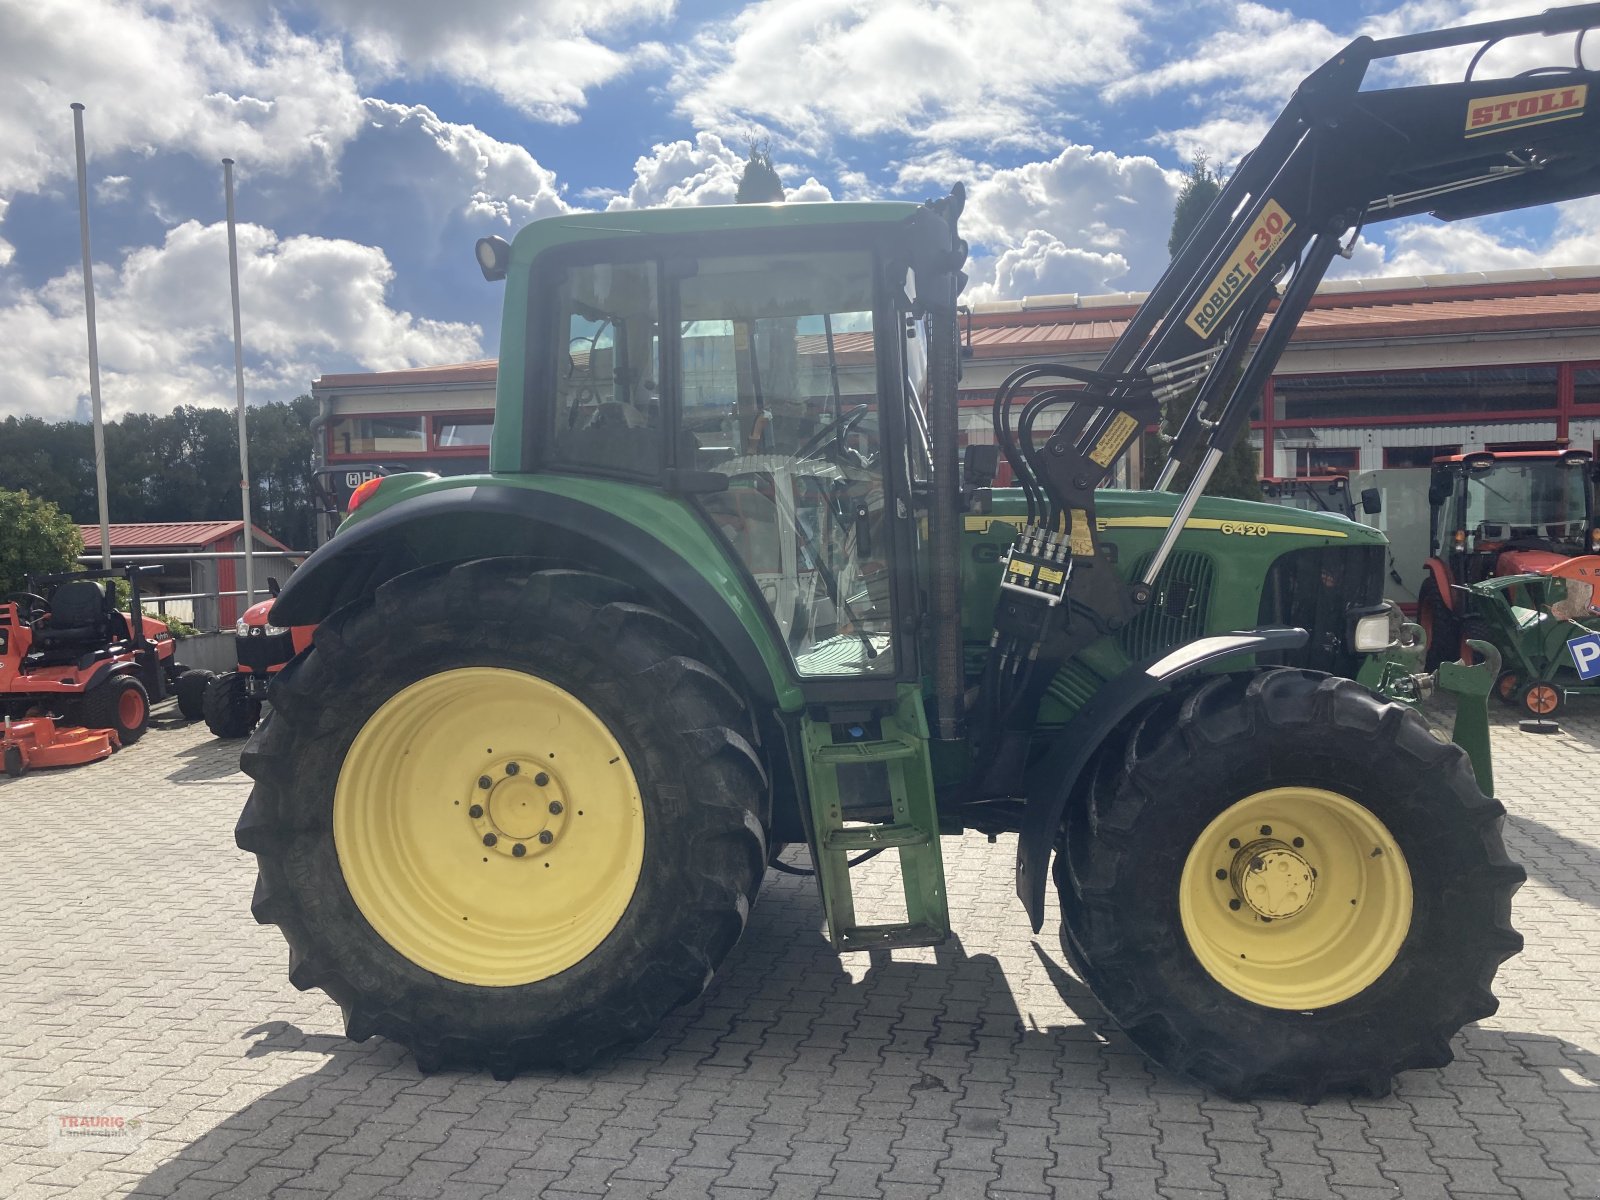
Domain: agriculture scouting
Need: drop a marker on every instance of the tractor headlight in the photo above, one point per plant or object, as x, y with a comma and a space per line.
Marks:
244, 630
1377, 632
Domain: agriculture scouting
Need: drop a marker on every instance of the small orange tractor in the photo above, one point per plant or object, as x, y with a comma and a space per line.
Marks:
77, 675
231, 702
1497, 514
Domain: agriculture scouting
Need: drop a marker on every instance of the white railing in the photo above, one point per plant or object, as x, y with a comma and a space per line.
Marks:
182, 603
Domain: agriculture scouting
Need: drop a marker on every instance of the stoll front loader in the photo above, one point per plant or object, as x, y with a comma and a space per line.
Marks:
726, 587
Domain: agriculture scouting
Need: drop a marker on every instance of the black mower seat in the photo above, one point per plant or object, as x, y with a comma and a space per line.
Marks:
79, 617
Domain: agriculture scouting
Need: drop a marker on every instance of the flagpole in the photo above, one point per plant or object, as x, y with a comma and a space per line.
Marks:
94, 344
238, 380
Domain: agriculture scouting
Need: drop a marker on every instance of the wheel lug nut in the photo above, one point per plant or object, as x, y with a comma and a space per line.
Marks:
1265, 830
489, 839
1221, 874
512, 768
475, 811
1298, 842
555, 808
546, 836
541, 779
1234, 904
485, 782
1233, 843
518, 850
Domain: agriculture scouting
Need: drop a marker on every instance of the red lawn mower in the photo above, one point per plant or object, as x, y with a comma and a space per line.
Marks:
77, 675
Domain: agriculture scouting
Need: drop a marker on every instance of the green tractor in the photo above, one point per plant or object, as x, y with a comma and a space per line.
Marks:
728, 587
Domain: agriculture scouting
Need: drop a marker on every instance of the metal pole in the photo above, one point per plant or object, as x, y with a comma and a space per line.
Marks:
238, 378
94, 344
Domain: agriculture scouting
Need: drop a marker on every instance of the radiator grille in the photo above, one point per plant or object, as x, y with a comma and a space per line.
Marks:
1186, 581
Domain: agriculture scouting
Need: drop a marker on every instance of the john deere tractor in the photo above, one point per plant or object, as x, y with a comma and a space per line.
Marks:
727, 587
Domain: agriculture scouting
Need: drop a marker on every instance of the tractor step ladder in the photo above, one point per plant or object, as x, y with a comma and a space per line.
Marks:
893, 749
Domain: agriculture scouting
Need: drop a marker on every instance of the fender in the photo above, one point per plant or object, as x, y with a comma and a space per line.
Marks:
496, 521
1441, 580
1052, 780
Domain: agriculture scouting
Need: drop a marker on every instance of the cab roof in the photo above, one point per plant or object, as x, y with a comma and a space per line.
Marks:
712, 218
1505, 456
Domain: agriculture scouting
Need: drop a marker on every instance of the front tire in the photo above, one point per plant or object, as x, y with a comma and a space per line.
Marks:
191, 692
1281, 884
1440, 624
434, 909
230, 710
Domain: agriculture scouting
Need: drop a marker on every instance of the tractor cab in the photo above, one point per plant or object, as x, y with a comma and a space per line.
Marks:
1321, 493
1511, 512
771, 382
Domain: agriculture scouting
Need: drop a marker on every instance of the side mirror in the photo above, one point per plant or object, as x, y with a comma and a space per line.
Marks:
272, 587
979, 466
1438, 491
1371, 501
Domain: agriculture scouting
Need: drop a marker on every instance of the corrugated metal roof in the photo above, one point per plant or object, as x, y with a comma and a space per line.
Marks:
1484, 303
169, 535
482, 371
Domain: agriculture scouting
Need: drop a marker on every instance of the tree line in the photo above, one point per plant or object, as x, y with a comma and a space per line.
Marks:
180, 467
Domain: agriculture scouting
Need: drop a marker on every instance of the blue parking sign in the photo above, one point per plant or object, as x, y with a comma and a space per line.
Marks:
1586, 655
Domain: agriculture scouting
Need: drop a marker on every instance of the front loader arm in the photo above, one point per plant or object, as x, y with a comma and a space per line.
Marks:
1337, 159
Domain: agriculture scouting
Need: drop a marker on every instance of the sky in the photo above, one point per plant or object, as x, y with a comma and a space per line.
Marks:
376, 140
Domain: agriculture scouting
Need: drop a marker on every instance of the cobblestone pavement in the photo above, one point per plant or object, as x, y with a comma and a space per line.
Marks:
132, 979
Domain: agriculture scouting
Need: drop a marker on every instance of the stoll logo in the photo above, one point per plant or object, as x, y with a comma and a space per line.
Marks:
1496, 114
1259, 244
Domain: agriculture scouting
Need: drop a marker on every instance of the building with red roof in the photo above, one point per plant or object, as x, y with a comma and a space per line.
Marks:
206, 592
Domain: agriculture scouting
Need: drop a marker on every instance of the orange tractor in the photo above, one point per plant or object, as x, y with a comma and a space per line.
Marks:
77, 674
1496, 514
231, 702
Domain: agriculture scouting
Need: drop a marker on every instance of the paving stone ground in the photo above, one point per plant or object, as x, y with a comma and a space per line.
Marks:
133, 980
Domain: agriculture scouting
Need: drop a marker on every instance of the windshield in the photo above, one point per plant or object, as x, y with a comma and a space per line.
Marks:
1546, 500
779, 392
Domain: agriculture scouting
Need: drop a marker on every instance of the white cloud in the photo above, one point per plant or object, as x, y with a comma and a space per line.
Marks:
465, 171
674, 174
974, 70
165, 79
1042, 265
165, 324
1087, 220
704, 171
540, 56
1426, 247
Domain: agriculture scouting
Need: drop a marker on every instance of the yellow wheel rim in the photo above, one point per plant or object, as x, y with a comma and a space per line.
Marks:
489, 826
1295, 898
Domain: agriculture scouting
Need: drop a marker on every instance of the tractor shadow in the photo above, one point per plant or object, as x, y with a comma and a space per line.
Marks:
1551, 857
789, 1047
209, 761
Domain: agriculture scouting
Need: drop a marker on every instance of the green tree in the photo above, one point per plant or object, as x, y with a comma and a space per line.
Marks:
36, 538
1236, 475
759, 183
180, 467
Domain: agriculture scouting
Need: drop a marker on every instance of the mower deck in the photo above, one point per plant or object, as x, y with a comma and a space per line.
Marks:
40, 742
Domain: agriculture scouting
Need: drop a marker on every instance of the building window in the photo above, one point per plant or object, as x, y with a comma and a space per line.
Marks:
1416, 456
1435, 394
461, 433
377, 435
1586, 386
1326, 461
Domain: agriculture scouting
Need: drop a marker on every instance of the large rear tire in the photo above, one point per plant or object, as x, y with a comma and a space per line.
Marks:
506, 817
1281, 884
230, 710
120, 703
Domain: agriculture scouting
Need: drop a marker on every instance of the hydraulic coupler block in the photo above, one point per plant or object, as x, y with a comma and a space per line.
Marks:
1038, 564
